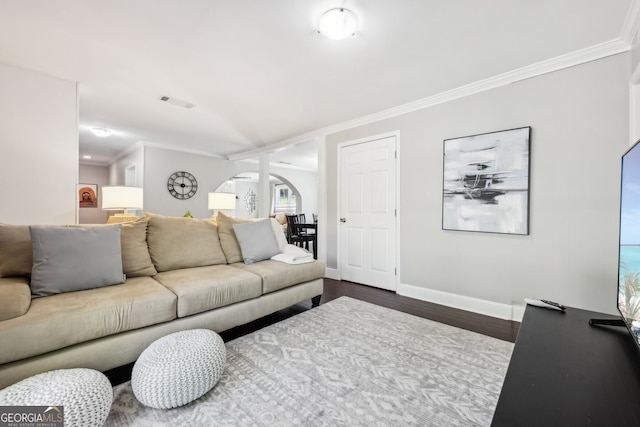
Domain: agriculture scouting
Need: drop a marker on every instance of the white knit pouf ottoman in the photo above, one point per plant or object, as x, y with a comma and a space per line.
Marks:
178, 368
85, 395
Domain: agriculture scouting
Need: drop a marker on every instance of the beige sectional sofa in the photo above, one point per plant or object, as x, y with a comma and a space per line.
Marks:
181, 273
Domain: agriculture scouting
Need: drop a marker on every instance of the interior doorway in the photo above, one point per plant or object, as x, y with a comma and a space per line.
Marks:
130, 176
367, 229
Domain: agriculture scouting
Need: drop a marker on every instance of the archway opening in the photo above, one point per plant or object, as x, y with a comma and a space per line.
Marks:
285, 197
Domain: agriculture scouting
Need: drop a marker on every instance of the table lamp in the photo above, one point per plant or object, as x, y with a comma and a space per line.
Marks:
118, 197
221, 201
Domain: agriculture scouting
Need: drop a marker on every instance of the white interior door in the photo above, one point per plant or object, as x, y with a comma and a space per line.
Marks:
368, 213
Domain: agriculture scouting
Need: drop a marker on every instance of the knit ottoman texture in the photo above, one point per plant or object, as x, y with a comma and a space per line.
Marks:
178, 368
85, 395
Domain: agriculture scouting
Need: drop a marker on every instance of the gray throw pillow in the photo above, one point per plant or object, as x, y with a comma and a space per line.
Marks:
73, 259
257, 240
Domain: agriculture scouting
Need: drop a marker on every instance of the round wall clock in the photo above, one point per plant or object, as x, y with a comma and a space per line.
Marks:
182, 185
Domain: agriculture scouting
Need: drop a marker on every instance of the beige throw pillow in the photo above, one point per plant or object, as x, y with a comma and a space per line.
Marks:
16, 253
15, 297
136, 261
228, 239
178, 242
279, 232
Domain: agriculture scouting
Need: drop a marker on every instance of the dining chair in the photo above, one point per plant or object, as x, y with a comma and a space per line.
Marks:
296, 237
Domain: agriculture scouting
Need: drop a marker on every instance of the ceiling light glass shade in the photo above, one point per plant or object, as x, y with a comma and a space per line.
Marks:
221, 201
338, 24
119, 197
101, 132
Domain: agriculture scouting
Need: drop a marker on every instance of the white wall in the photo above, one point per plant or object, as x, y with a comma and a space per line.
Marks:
98, 175
580, 128
159, 164
134, 157
38, 148
155, 165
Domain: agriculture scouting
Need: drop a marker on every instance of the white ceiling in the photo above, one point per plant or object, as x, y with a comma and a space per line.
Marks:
258, 72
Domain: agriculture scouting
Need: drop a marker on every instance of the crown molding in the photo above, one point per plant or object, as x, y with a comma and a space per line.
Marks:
599, 51
278, 146
169, 147
181, 149
631, 23
592, 53
126, 152
272, 165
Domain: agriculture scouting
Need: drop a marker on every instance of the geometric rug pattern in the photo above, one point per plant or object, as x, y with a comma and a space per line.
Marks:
344, 363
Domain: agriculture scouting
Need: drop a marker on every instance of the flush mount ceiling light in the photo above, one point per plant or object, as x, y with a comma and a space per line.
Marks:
338, 24
101, 132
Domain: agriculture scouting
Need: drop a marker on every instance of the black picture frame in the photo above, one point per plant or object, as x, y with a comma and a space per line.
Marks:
486, 182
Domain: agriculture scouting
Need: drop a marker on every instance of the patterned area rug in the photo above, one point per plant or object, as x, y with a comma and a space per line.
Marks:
345, 363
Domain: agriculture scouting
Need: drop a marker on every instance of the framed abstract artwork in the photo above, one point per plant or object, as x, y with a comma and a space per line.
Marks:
486, 182
88, 195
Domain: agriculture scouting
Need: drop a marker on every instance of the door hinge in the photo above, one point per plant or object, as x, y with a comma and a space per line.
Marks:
395, 271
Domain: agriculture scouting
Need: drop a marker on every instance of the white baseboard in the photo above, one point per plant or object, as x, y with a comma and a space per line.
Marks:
475, 305
518, 312
331, 273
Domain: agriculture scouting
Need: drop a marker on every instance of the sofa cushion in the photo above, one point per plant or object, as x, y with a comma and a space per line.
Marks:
67, 259
257, 240
62, 320
15, 297
136, 260
178, 242
16, 255
277, 275
280, 236
205, 288
228, 239
16, 252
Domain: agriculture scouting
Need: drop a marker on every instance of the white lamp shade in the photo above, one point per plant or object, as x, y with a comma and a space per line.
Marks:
222, 201
338, 24
121, 198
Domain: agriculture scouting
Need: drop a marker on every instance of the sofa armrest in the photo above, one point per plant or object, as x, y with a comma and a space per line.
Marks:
15, 297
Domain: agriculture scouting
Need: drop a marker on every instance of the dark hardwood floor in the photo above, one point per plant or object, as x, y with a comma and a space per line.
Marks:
491, 326
502, 329
497, 328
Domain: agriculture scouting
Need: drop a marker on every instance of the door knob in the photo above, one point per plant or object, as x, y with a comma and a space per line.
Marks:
343, 219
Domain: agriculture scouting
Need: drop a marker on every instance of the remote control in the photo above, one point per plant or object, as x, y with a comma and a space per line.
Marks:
544, 303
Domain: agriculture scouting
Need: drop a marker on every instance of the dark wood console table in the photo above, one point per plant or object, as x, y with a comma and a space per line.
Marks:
564, 372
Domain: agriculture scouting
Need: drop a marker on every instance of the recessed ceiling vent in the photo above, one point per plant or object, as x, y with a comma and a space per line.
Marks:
178, 102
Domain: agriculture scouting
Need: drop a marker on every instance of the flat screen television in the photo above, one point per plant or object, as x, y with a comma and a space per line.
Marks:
629, 251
